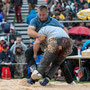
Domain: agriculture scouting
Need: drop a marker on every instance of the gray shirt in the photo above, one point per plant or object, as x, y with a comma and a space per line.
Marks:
51, 32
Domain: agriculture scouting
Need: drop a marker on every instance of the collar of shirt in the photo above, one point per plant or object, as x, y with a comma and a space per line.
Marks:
46, 22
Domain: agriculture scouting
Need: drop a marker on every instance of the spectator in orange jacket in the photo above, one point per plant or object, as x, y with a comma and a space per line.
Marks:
2, 41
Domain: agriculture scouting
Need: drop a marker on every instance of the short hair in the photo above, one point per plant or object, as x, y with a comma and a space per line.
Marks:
43, 7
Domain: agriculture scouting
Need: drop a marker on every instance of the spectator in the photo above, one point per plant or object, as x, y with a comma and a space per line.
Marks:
17, 6
20, 69
6, 27
58, 15
67, 24
31, 16
67, 11
72, 6
6, 56
85, 6
81, 3
13, 35
7, 2
2, 15
53, 7
50, 3
78, 42
11, 7
18, 41
32, 4
75, 11
2, 41
86, 62
59, 6
1, 8
1, 5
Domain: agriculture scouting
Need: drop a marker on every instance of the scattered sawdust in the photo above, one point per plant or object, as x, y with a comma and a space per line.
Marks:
21, 84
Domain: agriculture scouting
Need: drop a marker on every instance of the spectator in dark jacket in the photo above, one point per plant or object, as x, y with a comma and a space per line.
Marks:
6, 56
17, 6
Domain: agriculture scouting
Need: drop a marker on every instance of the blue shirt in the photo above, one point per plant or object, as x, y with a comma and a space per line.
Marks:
38, 24
9, 57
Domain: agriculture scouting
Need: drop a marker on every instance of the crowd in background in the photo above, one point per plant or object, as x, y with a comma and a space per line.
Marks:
67, 7
67, 10
59, 9
7, 6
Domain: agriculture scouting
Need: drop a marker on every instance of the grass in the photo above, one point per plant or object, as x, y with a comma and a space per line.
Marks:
81, 82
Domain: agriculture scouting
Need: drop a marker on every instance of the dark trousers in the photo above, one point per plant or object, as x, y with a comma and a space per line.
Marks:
56, 63
66, 72
18, 14
56, 56
29, 56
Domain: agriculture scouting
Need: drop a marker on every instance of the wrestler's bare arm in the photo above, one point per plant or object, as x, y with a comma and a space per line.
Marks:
36, 45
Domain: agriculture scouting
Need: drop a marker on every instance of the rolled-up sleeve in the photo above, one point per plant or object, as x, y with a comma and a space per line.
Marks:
33, 22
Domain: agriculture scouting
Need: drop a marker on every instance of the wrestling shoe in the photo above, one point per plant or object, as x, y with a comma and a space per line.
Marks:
36, 75
31, 81
45, 81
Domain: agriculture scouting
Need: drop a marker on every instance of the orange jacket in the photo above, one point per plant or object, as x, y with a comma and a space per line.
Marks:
1, 48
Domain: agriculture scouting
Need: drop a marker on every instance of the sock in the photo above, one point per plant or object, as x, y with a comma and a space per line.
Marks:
33, 67
73, 83
48, 78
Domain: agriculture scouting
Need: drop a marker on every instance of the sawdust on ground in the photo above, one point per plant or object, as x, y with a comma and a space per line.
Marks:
21, 84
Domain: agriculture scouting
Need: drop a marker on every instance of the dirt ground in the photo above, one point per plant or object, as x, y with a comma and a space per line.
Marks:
21, 84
